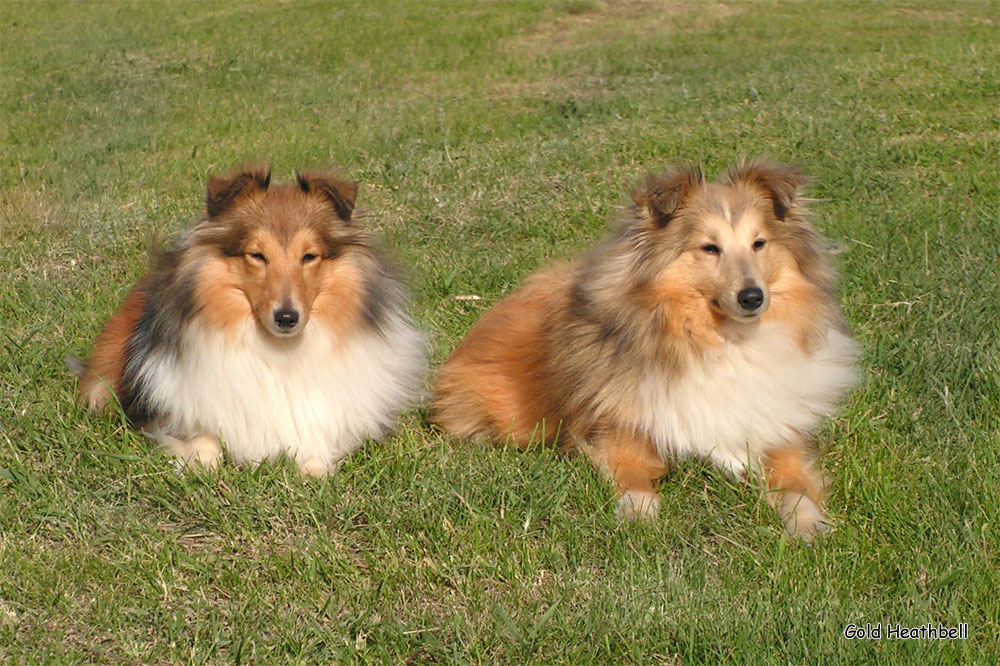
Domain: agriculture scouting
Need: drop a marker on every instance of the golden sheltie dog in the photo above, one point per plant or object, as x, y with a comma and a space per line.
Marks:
706, 326
273, 327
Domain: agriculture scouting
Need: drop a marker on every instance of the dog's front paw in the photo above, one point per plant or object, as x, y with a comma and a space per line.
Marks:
802, 518
314, 467
637, 505
204, 450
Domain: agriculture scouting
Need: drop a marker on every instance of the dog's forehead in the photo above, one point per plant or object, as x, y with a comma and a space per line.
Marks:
285, 215
751, 220
728, 206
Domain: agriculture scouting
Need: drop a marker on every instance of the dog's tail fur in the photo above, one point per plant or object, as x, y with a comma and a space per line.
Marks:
76, 366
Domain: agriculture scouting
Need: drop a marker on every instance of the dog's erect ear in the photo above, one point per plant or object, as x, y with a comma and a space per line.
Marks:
340, 193
225, 190
782, 183
662, 196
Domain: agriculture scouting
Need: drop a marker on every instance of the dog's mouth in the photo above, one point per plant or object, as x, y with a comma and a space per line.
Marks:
738, 315
285, 333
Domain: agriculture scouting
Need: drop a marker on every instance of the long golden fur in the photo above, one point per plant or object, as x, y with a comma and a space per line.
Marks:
707, 325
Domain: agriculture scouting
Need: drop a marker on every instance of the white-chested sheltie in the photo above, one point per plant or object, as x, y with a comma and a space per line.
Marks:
273, 326
706, 326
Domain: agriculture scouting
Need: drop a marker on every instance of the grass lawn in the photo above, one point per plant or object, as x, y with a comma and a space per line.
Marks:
489, 138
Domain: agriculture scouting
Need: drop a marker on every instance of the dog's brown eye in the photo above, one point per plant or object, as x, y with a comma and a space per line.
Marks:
308, 257
759, 243
257, 256
711, 249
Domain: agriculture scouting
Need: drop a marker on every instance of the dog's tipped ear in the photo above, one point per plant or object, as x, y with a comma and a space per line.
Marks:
340, 193
782, 183
661, 196
224, 190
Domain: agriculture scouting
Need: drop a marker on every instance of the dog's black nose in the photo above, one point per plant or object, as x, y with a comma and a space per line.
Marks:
750, 298
286, 318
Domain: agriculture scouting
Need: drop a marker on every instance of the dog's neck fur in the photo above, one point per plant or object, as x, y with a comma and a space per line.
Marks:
318, 396
769, 389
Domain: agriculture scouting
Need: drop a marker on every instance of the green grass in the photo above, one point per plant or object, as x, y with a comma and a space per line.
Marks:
489, 138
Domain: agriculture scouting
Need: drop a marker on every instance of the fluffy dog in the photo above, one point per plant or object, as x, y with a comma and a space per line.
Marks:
274, 327
706, 326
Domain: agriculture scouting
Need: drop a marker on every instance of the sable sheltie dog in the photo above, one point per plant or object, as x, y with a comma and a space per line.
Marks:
273, 326
706, 326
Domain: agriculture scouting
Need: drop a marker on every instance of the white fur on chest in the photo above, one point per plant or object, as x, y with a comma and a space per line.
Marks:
746, 397
314, 396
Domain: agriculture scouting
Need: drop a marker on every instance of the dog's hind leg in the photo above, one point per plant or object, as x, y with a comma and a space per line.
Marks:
634, 465
796, 490
102, 373
202, 449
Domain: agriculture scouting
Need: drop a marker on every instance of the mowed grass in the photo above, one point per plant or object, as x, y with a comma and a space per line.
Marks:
489, 138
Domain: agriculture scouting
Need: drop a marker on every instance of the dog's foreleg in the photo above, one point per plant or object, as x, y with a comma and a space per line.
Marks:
634, 465
796, 490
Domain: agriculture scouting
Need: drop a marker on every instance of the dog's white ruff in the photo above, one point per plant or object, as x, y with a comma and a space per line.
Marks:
315, 396
746, 396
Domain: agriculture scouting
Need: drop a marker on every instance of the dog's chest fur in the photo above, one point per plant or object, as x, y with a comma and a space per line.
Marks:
747, 396
317, 397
